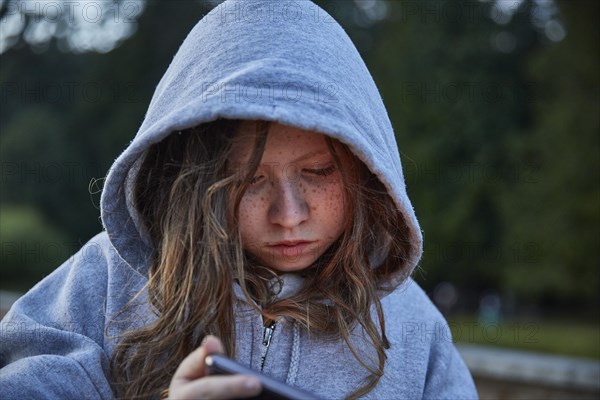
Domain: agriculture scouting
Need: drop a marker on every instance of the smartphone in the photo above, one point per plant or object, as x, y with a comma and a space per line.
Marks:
218, 364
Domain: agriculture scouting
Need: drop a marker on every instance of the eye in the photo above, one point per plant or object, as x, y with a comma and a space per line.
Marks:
256, 179
321, 171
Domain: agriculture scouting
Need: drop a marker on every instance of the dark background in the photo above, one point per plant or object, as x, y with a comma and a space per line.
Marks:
495, 105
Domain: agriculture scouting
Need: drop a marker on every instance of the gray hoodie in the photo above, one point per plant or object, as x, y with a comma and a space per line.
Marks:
284, 61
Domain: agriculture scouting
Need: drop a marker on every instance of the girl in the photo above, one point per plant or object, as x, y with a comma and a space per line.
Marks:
260, 212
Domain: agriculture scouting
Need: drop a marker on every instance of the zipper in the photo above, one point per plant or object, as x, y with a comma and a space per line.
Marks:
266, 342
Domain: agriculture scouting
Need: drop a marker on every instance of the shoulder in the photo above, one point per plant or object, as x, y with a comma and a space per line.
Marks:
409, 302
85, 269
84, 272
56, 330
78, 289
422, 346
412, 321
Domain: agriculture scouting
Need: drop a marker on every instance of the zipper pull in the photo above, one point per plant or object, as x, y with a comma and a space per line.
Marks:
268, 334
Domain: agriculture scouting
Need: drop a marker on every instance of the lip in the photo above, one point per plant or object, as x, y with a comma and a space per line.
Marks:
289, 243
290, 249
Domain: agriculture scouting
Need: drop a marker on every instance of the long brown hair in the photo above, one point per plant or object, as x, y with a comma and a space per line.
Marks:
189, 203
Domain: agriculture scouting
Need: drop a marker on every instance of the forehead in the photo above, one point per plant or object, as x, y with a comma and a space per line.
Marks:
283, 143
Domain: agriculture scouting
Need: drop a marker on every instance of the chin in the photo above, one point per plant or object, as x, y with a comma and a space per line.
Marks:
288, 266
291, 269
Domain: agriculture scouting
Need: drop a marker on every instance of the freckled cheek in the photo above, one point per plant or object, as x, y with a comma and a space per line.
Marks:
329, 201
250, 208
338, 205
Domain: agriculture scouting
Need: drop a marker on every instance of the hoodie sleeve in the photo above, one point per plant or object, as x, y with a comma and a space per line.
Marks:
448, 377
51, 340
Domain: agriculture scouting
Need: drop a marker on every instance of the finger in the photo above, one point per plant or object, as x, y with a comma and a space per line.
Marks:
221, 387
193, 366
213, 345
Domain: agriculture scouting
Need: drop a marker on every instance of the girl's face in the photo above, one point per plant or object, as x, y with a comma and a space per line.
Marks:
294, 208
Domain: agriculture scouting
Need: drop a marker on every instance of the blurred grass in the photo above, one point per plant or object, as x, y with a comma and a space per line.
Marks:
554, 336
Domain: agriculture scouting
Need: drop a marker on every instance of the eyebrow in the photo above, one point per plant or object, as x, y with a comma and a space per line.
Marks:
309, 155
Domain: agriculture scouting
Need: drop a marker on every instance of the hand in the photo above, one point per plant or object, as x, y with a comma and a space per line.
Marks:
191, 381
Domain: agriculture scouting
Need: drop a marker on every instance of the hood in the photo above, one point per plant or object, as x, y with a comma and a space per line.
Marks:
288, 62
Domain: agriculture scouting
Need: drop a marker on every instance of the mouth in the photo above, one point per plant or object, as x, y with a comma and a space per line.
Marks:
289, 243
291, 249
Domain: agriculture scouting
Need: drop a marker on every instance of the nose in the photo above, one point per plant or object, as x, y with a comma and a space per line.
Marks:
288, 206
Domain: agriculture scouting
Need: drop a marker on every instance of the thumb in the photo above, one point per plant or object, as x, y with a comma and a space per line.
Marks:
193, 366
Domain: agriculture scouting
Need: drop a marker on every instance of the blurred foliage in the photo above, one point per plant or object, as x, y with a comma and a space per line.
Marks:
501, 149
31, 247
546, 336
496, 119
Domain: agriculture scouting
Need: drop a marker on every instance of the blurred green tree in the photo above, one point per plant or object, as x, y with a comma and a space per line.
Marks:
556, 210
